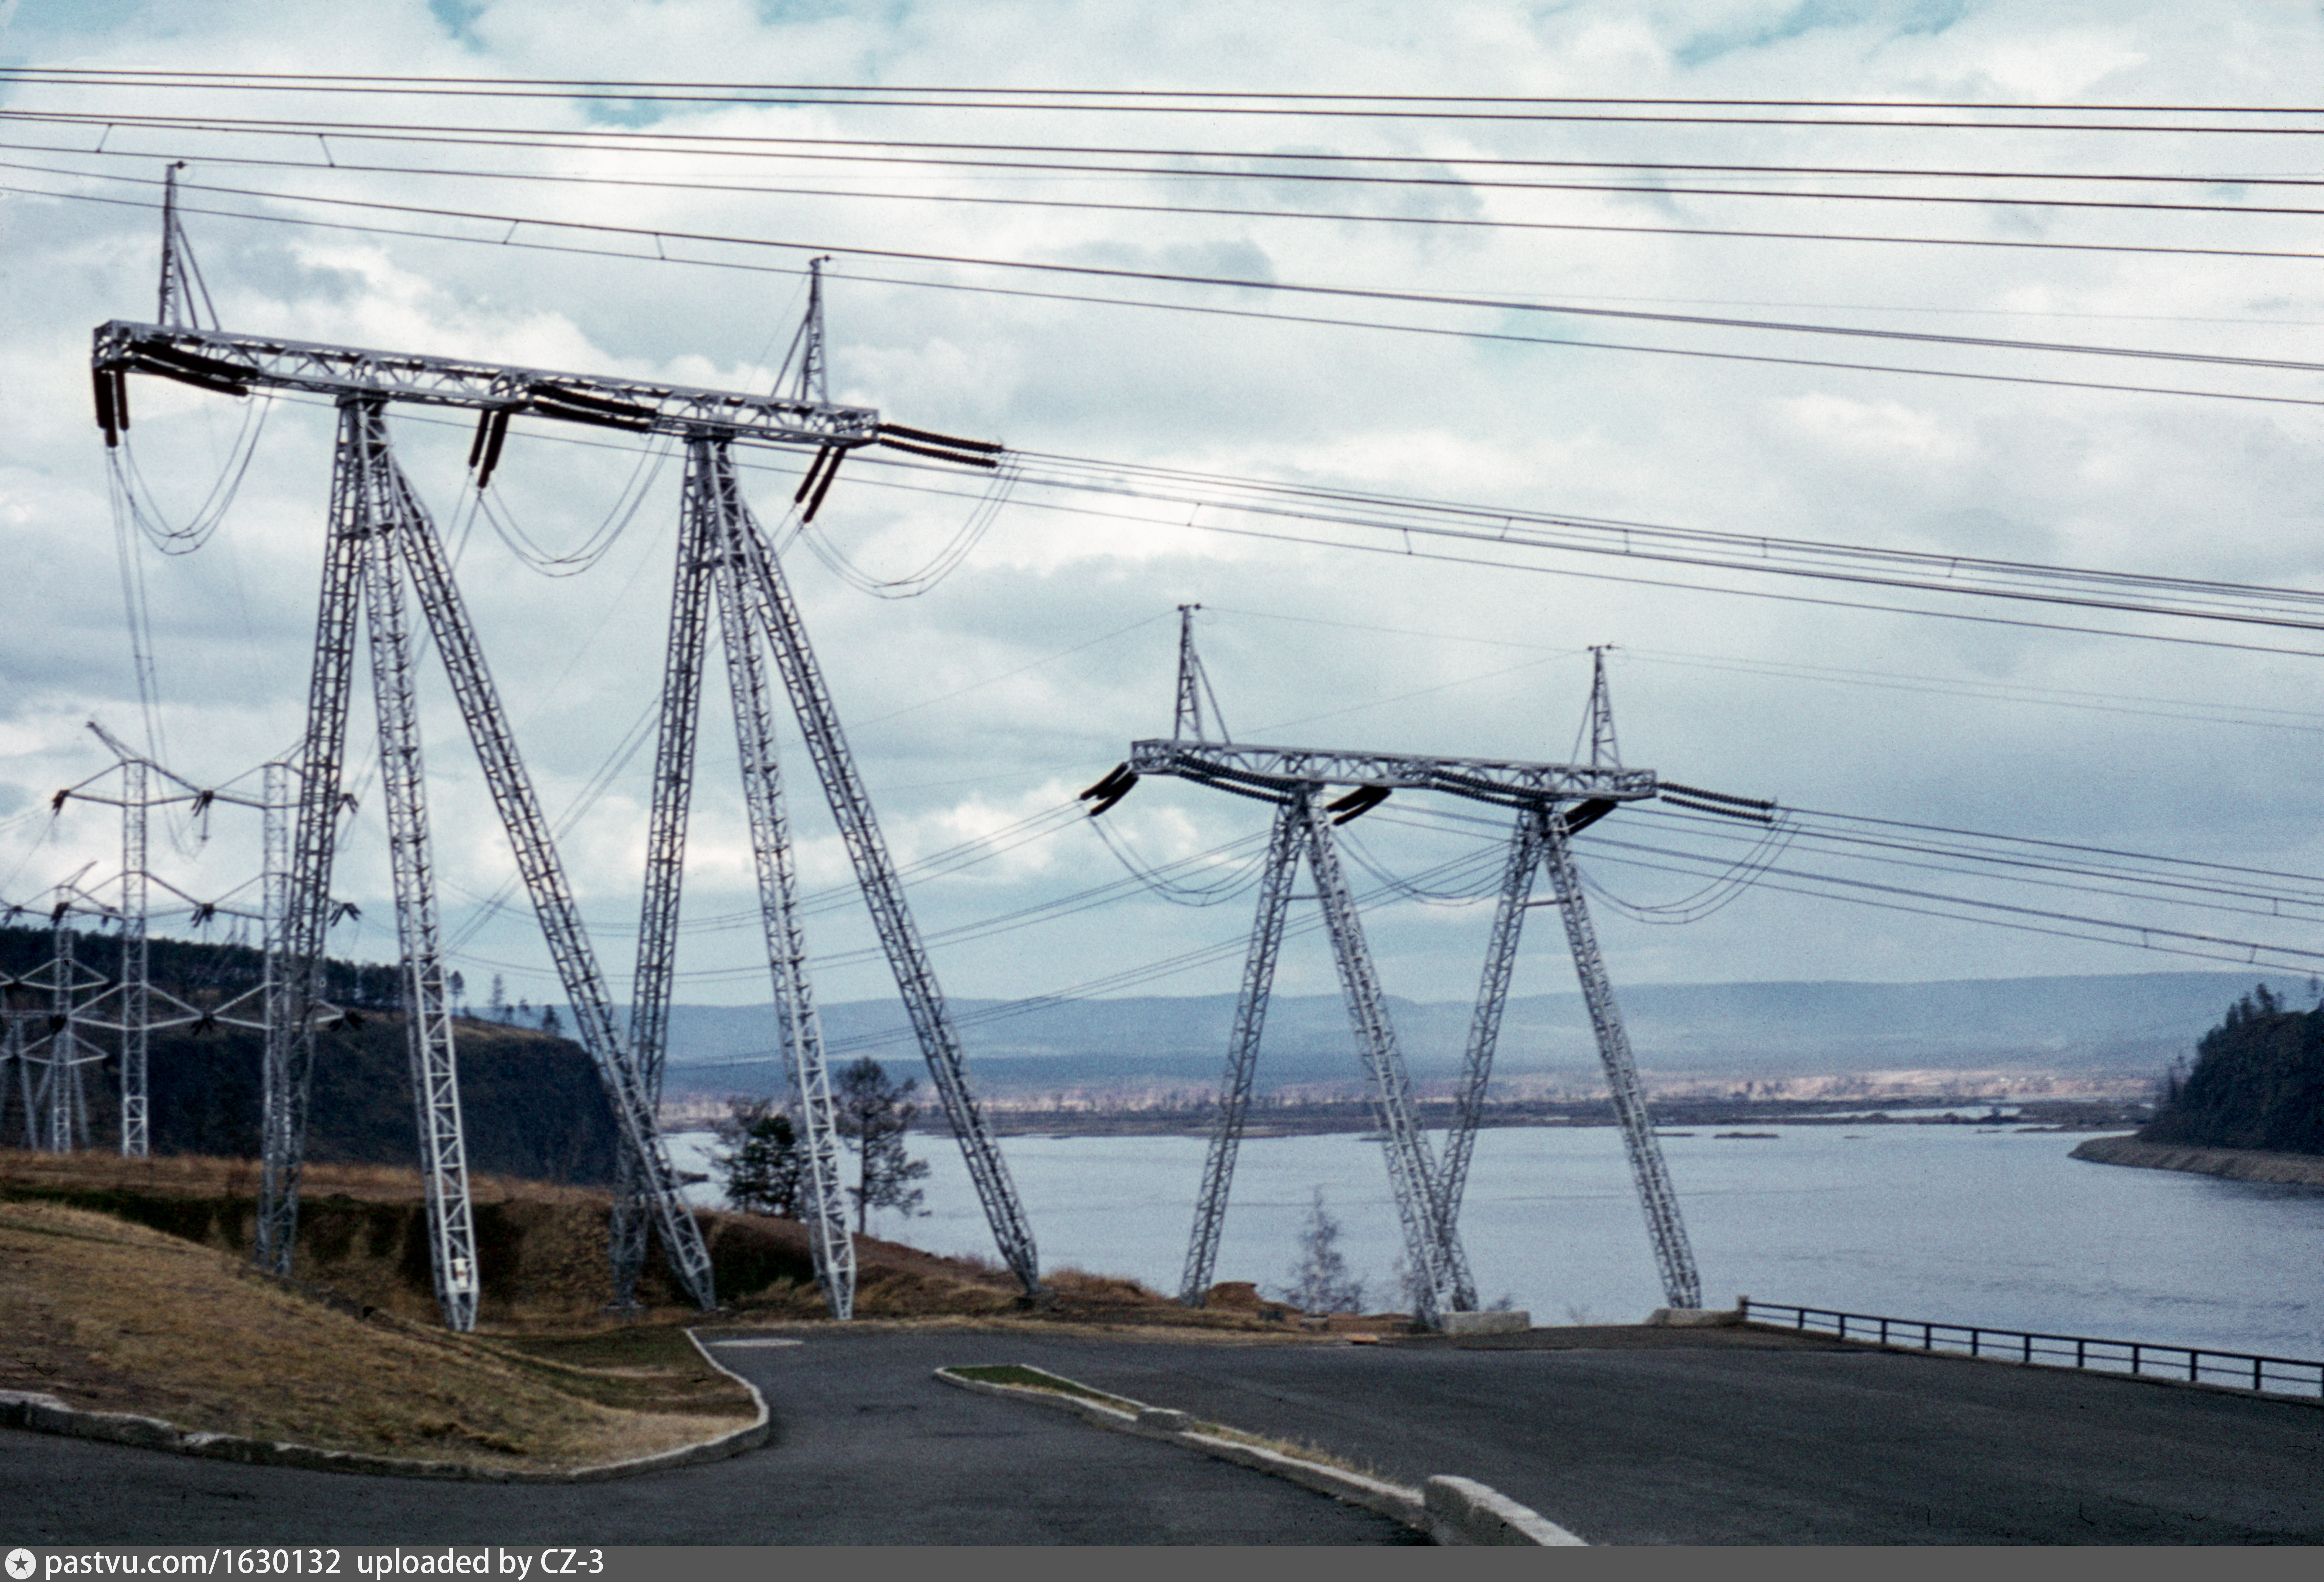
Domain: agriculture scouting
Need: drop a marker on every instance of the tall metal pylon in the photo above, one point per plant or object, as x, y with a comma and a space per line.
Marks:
362, 381
133, 1008
1551, 802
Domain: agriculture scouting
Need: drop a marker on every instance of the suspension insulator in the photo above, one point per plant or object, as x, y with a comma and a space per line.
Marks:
1106, 786
1582, 818
483, 432
492, 458
121, 398
949, 441
814, 472
1356, 802
104, 414
1113, 796
815, 504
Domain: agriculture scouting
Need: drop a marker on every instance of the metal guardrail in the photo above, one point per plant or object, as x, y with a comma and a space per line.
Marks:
2274, 1376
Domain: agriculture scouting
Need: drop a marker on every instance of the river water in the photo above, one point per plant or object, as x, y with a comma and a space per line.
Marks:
1950, 1223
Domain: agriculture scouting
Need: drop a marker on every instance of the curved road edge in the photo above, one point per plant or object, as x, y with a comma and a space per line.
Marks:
45, 1414
1450, 1510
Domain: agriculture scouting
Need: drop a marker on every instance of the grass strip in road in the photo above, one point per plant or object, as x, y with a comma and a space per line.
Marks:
1023, 1376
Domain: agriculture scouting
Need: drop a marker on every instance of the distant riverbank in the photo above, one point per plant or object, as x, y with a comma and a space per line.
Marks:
2236, 1164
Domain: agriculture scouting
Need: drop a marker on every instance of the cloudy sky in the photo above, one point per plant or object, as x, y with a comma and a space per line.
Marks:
671, 245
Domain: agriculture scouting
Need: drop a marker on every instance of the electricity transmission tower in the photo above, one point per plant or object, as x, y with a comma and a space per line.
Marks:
381, 538
133, 1007
1552, 801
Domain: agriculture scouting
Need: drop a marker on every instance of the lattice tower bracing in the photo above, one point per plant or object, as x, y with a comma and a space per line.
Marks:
715, 501
1432, 1242
275, 821
62, 1110
1604, 750
1485, 1023
1274, 884
665, 868
305, 902
553, 903
1681, 1286
136, 981
429, 1031
883, 892
12, 1058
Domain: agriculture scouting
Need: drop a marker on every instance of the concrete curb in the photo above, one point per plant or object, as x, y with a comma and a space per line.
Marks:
45, 1414
1450, 1510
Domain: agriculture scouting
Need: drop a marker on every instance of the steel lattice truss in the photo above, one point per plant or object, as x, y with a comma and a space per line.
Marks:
236, 365
1553, 800
380, 534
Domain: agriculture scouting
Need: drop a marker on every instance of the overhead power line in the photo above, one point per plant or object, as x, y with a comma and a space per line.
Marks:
1373, 294
1364, 107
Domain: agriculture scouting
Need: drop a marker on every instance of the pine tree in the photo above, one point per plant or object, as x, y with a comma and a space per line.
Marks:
874, 1112
764, 1163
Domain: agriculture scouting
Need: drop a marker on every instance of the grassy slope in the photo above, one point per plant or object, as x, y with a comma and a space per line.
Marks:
117, 1317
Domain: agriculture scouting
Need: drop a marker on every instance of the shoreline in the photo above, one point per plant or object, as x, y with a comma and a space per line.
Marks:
2235, 1164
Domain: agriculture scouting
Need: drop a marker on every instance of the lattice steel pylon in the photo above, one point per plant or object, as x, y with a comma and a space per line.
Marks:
133, 1008
365, 380
1552, 801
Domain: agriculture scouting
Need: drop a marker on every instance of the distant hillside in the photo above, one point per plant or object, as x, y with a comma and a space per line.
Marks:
530, 1102
2257, 1082
2115, 1027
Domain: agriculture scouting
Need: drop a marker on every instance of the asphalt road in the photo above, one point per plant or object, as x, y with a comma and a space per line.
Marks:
1708, 1442
869, 1451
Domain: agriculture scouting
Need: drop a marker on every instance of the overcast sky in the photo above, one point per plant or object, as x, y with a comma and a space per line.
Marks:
1008, 686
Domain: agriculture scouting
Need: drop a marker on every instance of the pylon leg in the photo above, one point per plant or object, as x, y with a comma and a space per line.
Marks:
289, 1060
713, 492
1681, 1286
553, 902
435, 1066
875, 871
1242, 1054
1485, 1024
665, 874
1432, 1242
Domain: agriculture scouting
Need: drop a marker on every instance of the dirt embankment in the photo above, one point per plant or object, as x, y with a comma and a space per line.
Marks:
2236, 1164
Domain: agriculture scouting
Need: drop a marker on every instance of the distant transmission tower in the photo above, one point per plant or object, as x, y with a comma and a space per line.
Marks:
1552, 801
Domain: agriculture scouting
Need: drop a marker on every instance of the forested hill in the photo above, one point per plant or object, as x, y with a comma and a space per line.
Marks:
530, 1102
2257, 1082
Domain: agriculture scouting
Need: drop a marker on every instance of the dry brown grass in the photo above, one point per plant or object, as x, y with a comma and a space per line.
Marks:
114, 1316
542, 1253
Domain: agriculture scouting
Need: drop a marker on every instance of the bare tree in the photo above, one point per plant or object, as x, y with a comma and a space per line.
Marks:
1320, 1282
